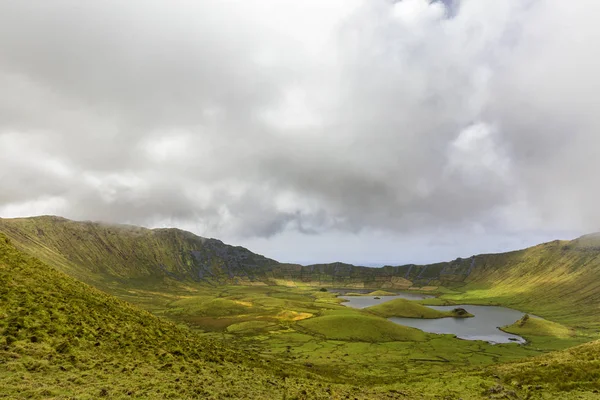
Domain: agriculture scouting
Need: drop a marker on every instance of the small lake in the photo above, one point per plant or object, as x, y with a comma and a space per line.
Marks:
368, 301
481, 327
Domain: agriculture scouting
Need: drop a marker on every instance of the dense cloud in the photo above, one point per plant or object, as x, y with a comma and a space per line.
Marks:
256, 117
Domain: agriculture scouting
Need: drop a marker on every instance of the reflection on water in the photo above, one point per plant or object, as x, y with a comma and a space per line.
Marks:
367, 301
484, 326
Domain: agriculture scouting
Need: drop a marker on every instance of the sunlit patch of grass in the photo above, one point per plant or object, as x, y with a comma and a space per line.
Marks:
289, 315
411, 309
528, 326
357, 327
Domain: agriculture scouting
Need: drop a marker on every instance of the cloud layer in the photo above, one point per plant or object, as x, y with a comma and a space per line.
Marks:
256, 117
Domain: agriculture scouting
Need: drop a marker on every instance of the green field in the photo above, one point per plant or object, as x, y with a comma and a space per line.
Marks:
410, 309
528, 326
144, 325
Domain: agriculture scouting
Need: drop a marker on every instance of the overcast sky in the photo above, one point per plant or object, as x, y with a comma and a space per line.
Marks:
366, 131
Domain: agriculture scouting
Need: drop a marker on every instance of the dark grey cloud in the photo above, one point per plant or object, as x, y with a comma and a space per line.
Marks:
253, 118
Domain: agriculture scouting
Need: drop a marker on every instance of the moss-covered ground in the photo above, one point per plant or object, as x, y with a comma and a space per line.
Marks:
310, 328
139, 335
411, 309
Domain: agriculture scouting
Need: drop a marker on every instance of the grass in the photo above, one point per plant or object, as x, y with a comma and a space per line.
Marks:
235, 333
528, 326
365, 328
410, 309
381, 293
61, 338
573, 370
556, 281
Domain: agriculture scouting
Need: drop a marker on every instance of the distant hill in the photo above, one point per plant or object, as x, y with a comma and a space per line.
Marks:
95, 251
559, 279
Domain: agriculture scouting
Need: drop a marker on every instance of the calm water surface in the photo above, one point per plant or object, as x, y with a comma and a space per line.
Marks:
484, 326
367, 301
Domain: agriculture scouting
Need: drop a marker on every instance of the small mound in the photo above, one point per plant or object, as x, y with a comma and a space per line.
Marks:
288, 315
528, 326
382, 293
211, 307
252, 327
360, 328
409, 309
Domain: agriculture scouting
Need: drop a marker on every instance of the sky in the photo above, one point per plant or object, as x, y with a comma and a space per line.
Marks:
365, 131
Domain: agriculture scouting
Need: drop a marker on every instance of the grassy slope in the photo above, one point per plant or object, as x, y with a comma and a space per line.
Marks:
557, 281
353, 326
62, 338
124, 255
102, 253
409, 309
577, 368
134, 360
529, 327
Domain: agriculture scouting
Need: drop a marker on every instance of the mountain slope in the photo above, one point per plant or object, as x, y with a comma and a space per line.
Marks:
93, 250
557, 280
96, 252
61, 338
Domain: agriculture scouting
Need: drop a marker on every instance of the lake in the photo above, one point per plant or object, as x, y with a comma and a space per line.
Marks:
368, 301
484, 326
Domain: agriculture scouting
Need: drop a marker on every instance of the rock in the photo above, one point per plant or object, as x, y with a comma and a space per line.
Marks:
496, 389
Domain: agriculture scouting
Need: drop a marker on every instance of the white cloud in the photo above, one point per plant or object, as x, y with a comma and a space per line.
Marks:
252, 118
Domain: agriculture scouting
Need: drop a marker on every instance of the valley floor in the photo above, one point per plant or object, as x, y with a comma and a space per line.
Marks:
281, 324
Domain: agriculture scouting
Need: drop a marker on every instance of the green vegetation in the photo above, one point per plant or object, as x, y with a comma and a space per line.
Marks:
364, 328
528, 326
381, 293
220, 321
61, 338
409, 309
575, 370
556, 281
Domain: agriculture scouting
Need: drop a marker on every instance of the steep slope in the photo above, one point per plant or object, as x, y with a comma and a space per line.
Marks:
96, 252
557, 280
61, 338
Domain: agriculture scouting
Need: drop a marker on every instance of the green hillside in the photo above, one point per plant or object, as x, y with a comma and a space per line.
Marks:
528, 326
63, 339
564, 373
353, 326
103, 254
256, 328
557, 281
409, 309
96, 252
